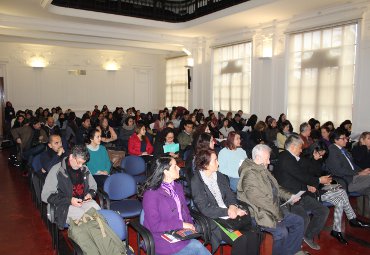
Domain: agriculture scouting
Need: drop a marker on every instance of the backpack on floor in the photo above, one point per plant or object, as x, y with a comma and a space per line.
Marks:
94, 236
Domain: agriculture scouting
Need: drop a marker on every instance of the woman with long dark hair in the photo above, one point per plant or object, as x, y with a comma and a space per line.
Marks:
312, 163
108, 135
165, 209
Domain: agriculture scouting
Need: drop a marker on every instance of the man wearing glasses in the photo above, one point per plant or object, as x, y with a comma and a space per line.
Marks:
341, 164
70, 187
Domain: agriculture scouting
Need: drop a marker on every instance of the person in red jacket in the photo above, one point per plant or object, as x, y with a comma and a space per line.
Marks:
139, 144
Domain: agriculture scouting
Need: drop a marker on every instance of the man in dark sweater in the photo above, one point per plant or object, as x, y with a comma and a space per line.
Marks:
53, 154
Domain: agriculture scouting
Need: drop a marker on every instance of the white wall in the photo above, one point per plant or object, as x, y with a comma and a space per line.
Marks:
137, 83
269, 75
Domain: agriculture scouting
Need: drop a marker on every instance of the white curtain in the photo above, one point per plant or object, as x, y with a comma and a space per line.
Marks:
321, 74
176, 82
232, 77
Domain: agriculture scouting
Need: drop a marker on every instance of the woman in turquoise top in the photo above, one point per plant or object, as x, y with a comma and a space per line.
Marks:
99, 163
230, 158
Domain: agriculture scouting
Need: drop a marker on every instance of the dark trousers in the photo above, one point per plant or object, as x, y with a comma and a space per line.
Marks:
33, 151
313, 213
100, 180
248, 243
287, 234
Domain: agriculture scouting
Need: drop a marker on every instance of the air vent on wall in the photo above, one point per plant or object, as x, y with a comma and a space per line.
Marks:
77, 72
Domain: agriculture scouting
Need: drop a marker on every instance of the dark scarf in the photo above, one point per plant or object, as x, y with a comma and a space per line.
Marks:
77, 179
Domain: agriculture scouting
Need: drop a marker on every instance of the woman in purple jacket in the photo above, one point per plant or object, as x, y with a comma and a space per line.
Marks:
165, 209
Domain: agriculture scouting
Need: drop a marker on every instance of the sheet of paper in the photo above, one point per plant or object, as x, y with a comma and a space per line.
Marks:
173, 147
299, 194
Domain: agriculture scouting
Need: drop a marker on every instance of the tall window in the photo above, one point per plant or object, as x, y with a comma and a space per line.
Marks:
321, 74
232, 77
176, 82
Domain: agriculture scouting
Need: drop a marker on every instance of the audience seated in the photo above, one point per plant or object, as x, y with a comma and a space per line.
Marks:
108, 135
74, 195
99, 163
361, 151
167, 138
283, 118
237, 123
325, 135
230, 158
165, 209
315, 129
271, 131
126, 131
31, 138
341, 164
214, 199
139, 144
291, 176
282, 135
53, 155
160, 123
258, 135
83, 131
251, 122
50, 127
260, 190
226, 128
312, 162
305, 135
185, 138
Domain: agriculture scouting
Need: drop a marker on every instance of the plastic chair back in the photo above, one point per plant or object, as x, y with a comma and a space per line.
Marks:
133, 165
36, 163
116, 223
120, 186
142, 217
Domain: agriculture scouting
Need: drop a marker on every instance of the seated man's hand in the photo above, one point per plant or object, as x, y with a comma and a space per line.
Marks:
326, 179
311, 189
76, 202
241, 212
144, 153
295, 199
88, 197
102, 172
232, 211
19, 140
60, 151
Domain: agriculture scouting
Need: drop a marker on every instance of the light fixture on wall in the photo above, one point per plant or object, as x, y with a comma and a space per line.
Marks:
37, 62
267, 47
111, 66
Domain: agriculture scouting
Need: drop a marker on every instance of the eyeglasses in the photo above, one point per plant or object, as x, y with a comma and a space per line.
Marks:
343, 138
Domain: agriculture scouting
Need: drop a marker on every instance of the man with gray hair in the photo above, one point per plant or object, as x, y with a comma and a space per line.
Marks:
259, 189
290, 175
70, 187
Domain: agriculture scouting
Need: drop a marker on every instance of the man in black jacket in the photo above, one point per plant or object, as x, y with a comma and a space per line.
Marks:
53, 155
290, 176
